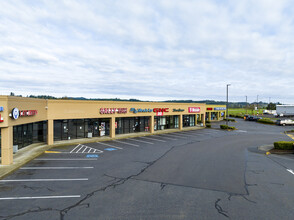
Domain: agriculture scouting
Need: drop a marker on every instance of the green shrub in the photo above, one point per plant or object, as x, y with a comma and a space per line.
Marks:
207, 122
226, 127
229, 119
208, 126
284, 145
265, 121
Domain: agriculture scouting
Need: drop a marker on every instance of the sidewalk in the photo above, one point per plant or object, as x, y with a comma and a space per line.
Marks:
32, 151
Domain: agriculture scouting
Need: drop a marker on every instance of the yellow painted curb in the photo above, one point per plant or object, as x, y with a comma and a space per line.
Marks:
267, 153
52, 152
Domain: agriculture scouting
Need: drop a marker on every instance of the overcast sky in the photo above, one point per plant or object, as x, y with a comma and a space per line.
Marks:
150, 50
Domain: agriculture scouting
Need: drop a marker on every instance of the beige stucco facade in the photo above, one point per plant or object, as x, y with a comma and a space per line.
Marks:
50, 110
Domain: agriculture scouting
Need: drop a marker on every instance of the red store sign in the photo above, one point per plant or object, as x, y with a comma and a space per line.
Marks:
27, 113
194, 109
113, 110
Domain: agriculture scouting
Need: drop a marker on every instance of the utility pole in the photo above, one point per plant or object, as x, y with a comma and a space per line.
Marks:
227, 103
257, 105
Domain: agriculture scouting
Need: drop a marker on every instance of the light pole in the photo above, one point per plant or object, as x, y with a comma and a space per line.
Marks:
246, 104
227, 107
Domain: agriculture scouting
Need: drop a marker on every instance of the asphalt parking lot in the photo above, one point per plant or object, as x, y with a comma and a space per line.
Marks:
200, 174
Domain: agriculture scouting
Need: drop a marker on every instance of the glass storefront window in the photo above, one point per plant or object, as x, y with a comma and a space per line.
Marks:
131, 125
26, 134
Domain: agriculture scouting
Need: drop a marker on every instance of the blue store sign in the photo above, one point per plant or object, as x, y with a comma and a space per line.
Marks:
220, 108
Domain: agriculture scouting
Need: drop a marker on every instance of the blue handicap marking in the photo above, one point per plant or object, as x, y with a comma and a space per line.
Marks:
92, 155
110, 149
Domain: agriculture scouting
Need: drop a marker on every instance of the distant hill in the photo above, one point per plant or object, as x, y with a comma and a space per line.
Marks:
210, 102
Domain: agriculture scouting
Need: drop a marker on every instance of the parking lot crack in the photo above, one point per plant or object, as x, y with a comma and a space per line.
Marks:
34, 210
220, 209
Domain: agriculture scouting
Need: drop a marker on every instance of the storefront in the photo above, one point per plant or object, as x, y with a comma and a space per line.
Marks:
166, 122
215, 112
24, 121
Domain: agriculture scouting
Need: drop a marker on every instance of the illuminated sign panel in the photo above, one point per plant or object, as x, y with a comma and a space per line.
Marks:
220, 108
1, 110
15, 113
194, 109
113, 110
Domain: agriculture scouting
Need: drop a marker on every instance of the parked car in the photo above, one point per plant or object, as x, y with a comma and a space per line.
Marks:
252, 118
285, 122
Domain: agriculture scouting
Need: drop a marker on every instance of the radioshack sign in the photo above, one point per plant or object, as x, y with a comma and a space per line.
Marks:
15, 113
194, 109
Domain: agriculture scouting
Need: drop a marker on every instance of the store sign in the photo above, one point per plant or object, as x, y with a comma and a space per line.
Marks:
1, 110
15, 113
113, 110
28, 113
140, 110
209, 109
220, 108
194, 109
155, 110
160, 110
178, 110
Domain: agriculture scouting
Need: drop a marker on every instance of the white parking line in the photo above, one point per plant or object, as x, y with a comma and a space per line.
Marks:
75, 148
185, 135
135, 145
53, 168
83, 149
174, 135
44, 180
41, 197
110, 145
131, 139
152, 139
291, 171
168, 138
66, 159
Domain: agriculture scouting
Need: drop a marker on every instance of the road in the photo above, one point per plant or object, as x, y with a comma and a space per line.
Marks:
201, 174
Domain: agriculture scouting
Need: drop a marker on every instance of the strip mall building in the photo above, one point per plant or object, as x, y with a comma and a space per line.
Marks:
24, 121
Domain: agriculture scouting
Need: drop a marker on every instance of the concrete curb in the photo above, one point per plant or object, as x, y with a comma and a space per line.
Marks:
25, 155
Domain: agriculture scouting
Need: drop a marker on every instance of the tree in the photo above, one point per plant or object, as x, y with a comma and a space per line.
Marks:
271, 106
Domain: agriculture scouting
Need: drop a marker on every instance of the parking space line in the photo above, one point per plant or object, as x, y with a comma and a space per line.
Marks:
44, 180
110, 145
174, 136
135, 145
185, 135
75, 148
131, 139
66, 159
168, 138
83, 149
152, 139
41, 197
53, 168
291, 171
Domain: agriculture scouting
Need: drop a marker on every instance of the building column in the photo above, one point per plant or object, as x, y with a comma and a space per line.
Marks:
112, 127
181, 122
7, 146
203, 119
217, 116
151, 124
209, 116
50, 132
196, 117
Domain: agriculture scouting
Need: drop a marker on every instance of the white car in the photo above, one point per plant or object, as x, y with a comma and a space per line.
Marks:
285, 122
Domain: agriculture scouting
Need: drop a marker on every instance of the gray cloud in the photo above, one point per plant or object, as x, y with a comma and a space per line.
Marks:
148, 49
